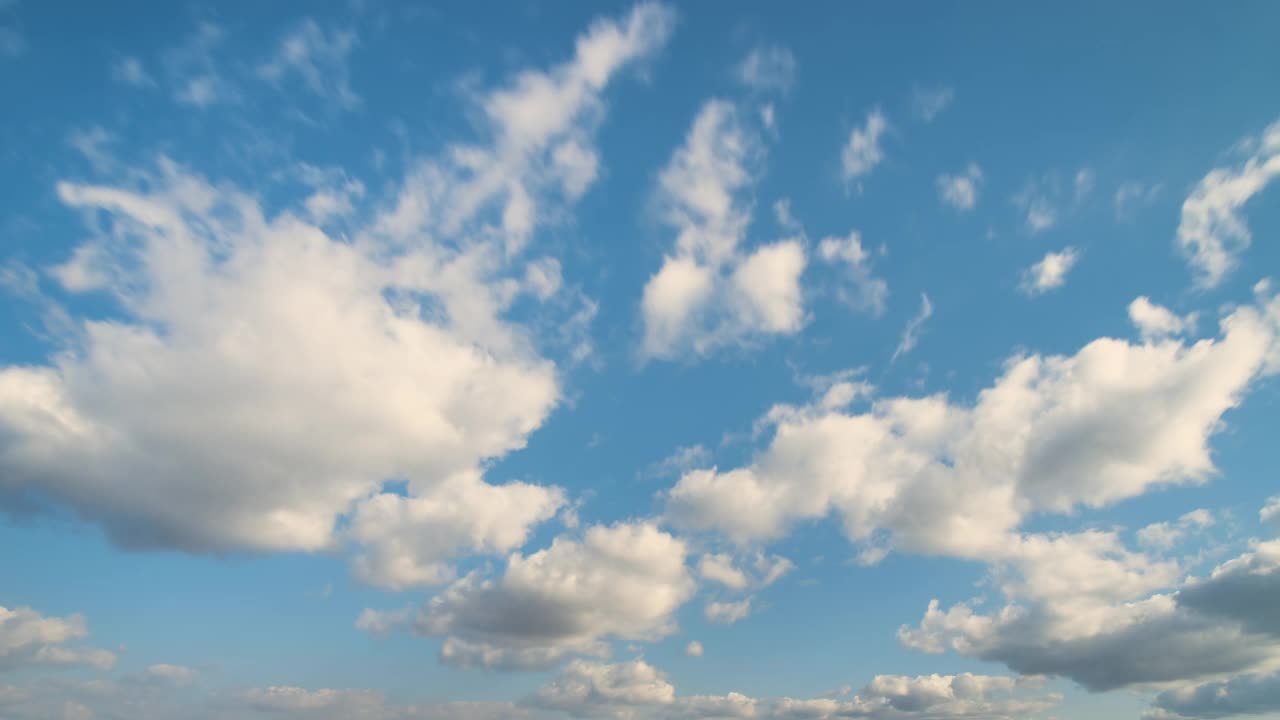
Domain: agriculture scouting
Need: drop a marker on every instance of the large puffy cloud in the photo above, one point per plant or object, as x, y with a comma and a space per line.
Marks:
255, 378
709, 291
29, 639
1051, 434
1212, 233
623, 581
1115, 632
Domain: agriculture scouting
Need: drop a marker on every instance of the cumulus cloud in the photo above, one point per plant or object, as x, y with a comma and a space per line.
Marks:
1052, 433
1165, 535
768, 68
1270, 513
862, 151
693, 649
1050, 272
961, 191
622, 581
709, 291
636, 689
319, 59
194, 76
29, 639
261, 379
1212, 234
588, 689
1115, 631
862, 289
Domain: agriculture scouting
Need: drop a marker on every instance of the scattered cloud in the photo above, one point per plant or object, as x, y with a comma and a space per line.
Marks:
1051, 434
961, 191
319, 59
1050, 272
29, 639
710, 292
862, 151
265, 378
1212, 233
693, 649
862, 289
1155, 322
768, 68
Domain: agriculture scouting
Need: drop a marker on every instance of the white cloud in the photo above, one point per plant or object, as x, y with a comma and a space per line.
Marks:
929, 103
194, 76
383, 622
727, 613
29, 639
693, 649
720, 568
1165, 535
410, 540
622, 581
263, 379
862, 151
911, 333
1052, 433
1155, 322
768, 68
1270, 513
961, 191
1039, 200
863, 290
710, 292
1050, 272
1212, 234
319, 59
171, 674
588, 689
678, 462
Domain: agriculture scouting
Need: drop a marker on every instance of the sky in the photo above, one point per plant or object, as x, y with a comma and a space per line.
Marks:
564, 360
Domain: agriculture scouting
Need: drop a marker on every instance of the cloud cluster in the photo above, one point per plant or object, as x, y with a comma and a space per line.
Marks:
636, 689
29, 639
256, 378
1052, 433
710, 291
1125, 634
622, 581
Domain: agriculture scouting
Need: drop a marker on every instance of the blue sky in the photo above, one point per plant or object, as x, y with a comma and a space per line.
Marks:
639, 361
